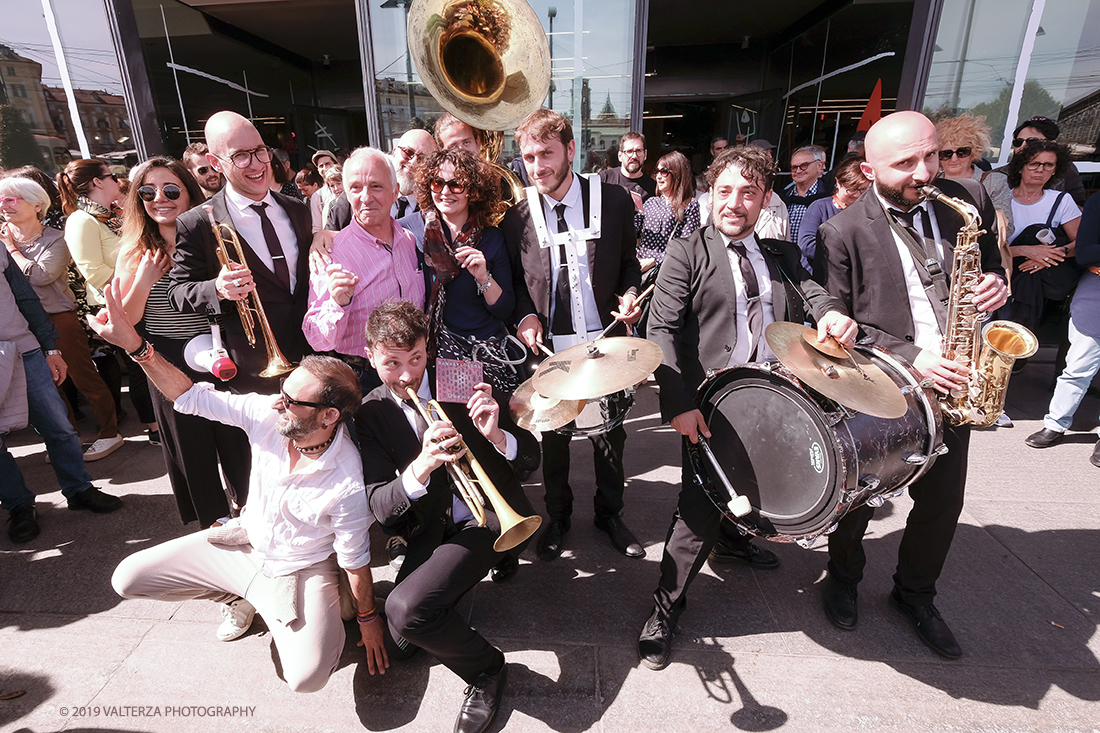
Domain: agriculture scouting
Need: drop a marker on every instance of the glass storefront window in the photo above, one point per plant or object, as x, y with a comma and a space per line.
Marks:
596, 90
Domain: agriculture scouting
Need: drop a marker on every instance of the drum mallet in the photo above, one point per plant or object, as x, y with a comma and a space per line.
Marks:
738, 505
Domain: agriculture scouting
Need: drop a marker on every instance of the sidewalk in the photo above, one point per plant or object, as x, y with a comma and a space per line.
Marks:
1021, 590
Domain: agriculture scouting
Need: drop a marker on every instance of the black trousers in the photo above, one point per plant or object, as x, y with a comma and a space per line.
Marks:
929, 529
607, 455
421, 607
696, 526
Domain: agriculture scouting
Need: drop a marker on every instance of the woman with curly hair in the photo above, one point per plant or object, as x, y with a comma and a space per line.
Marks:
963, 140
672, 213
162, 189
471, 293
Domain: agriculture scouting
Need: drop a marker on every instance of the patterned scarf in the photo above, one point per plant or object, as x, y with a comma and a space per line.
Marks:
103, 215
439, 256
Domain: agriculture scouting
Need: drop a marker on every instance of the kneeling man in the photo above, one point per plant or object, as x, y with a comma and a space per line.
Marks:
411, 494
307, 512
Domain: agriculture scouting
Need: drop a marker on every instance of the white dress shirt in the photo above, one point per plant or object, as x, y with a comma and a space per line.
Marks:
745, 344
416, 490
294, 518
926, 329
574, 217
247, 223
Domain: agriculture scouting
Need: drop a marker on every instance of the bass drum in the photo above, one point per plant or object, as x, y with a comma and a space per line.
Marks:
802, 460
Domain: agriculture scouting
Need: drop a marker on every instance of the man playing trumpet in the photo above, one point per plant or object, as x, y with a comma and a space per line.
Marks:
411, 493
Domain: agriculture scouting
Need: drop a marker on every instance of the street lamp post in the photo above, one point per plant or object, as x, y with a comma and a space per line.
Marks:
551, 13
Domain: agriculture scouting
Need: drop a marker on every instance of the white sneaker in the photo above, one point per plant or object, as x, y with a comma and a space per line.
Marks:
1004, 421
103, 448
238, 618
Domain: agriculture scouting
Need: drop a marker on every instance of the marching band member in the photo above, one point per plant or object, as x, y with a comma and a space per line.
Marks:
410, 492
876, 253
716, 292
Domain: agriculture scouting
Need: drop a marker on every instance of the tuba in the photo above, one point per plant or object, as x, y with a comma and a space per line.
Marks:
988, 351
474, 487
276, 363
486, 62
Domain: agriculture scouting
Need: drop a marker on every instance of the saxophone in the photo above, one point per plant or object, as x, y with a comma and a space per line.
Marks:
988, 351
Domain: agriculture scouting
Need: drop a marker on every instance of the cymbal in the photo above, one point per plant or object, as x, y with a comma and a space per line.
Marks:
853, 381
597, 368
532, 411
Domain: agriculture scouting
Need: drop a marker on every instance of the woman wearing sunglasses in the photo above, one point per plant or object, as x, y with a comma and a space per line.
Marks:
160, 190
963, 140
471, 291
39, 251
672, 213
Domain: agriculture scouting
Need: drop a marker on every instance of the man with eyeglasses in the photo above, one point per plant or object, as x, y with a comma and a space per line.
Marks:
629, 174
806, 186
210, 179
307, 518
275, 232
372, 260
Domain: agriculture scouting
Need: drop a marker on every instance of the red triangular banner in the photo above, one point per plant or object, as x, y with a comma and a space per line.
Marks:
873, 112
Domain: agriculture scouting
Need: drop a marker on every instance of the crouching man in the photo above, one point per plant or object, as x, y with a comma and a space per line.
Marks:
307, 512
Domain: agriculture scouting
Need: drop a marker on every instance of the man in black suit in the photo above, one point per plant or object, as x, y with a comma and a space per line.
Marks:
410, 494
887, 258
569, 264
275, 234
707, 314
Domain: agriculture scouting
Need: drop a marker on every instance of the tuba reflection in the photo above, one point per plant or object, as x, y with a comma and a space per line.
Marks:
250, 308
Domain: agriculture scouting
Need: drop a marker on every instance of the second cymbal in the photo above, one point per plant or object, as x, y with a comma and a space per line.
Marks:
533, 411
597, 368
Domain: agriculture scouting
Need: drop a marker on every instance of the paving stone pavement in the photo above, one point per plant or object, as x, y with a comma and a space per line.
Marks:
1021, 590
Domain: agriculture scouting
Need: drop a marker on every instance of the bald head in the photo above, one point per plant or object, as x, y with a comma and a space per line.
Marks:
902, 152
410, 152
228, 134
225, 126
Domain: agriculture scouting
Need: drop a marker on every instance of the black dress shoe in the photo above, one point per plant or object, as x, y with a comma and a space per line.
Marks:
23, 524
395, 551
95, 501
746, 553
840, 603
1044, 438
505, 569
482, 700
655, 643
621, 537
552, 540
929, 625
1095, 458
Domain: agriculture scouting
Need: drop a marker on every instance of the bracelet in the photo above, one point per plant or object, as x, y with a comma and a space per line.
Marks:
146, 354
366, 618
482, 288
140, 351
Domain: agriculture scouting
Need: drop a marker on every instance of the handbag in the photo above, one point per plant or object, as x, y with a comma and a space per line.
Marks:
500, 356
1058, 281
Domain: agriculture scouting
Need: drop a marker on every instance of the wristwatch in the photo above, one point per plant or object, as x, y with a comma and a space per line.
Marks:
53, 352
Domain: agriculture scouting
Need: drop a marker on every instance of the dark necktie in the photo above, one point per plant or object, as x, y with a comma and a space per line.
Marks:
275, 249
402, 206
563, 301
421, 424
752, 293
928, 266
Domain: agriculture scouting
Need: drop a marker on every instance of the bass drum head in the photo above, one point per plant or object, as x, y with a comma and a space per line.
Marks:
776, 449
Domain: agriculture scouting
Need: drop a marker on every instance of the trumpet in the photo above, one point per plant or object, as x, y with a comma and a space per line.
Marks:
475, 487
276, 363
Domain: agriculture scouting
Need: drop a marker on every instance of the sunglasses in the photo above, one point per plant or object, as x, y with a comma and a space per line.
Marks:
148, 193
664, 172
112, 176
438, 184
1018, 141
202, 170
1036, 165
288, 400
410, 153
963, 152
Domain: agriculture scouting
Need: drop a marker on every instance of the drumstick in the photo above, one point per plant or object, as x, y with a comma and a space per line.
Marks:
639, 299
738, 505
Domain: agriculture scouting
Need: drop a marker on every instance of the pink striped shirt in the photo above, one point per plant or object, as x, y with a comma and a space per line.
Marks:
384, 272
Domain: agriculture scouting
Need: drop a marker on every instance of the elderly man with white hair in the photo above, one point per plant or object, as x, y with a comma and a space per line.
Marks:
373, 260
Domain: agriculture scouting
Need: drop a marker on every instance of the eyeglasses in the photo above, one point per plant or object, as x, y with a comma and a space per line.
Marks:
410, 153
664, 172
148, 193
801, 166
963, 152
287, 399
438, 184
1018, 141
10, 200
243, 158
855, 191
1036, 165
112, 176
634, 153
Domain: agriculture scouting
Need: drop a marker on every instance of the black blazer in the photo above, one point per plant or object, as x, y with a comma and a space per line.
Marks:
191, 289
388, 444
612, 259
862, 266
693, 316
339, 213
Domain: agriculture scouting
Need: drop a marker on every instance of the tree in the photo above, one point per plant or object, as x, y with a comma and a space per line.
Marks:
17, 145
1035, 101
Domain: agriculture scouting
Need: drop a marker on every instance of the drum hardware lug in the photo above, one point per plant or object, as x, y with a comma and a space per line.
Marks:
894, 494
940, 449
915, 459
833, 418
832, 529
804, 543
869, 482
876, 501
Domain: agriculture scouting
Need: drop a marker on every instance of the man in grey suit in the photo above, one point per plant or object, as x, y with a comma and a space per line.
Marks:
886, 258
708, 314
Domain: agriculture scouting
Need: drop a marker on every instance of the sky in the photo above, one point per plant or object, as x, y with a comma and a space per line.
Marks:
84, 34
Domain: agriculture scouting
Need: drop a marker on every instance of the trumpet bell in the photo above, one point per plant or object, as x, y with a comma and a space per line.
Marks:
485, 61
517, 531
